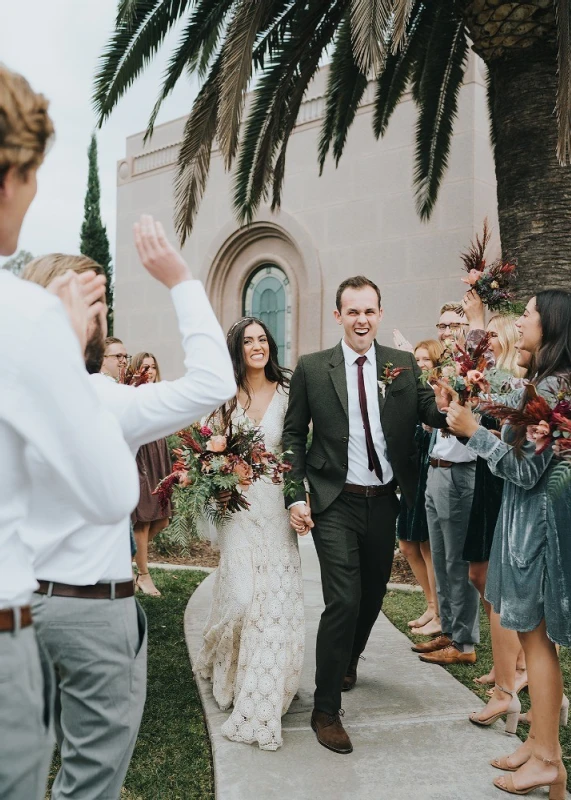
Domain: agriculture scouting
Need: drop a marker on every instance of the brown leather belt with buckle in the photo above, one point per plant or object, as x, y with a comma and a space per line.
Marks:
99, 591
369, 491
440, 462
8, 618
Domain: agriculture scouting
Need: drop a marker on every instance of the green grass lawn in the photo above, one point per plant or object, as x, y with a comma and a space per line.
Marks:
400, 607
172, 759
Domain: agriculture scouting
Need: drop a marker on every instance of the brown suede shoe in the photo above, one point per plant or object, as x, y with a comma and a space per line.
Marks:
330, 731
434, 644
449, 655
350, 678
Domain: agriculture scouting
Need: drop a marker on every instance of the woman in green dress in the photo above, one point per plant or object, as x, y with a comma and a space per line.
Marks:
529, 575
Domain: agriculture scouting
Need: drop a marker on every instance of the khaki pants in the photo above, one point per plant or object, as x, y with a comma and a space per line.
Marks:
98, 649
26, 740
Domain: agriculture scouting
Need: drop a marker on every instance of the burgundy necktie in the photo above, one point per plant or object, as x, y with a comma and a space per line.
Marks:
374, 463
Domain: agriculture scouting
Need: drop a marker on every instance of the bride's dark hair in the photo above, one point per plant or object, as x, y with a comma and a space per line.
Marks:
274, 372
554, 355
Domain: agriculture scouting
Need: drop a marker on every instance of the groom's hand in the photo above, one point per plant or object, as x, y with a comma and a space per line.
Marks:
300, 519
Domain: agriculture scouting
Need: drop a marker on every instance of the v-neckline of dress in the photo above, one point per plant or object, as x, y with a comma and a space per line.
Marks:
258, 424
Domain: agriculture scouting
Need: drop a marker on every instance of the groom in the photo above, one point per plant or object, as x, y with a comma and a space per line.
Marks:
364, 417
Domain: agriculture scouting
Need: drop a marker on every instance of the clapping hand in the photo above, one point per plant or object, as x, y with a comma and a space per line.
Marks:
83, 297
157, 254
460, 420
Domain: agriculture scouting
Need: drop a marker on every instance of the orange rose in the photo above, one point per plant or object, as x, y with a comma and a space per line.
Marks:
216, 444
244, 472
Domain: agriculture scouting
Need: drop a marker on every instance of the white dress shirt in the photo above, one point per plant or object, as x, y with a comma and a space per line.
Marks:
74, 550
48, 407
357, 462
448, 448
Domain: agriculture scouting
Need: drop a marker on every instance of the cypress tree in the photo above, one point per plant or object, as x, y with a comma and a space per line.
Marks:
94, 241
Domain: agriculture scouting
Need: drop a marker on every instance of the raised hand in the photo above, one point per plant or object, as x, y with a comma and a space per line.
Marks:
300, 519
400, 342
473, 309
157, 254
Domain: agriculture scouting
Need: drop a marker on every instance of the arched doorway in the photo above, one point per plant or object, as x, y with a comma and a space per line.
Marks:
267, 297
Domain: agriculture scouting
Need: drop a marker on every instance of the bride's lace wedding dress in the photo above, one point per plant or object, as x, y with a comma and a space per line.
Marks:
254, 638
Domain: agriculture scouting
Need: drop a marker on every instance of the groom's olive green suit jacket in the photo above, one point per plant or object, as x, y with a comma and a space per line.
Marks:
318, 394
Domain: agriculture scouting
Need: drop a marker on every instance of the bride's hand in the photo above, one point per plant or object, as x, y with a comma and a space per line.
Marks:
300, 518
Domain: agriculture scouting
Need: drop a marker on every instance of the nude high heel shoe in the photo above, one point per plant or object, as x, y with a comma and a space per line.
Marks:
563, 714
557, 787
511, 713
503, 763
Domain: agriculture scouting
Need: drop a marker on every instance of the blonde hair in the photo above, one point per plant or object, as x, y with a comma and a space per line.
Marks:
137, 363
450, 307
112, 340
507, 337
44, 269
433, 347
25, 126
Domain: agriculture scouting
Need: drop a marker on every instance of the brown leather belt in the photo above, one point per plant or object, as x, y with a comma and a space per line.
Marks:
440, 462
369, 491
99, 591
9, 619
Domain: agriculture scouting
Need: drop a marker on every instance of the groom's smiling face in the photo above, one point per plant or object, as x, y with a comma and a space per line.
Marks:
360, 316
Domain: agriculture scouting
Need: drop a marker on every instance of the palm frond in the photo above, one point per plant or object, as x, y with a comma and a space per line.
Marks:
563, 107
195, 47
268, 122
490, 99
369, 23
195, 152
559, 480
127, 11
131, 47
438, 99
394, 79
236, 72
401, 17
346, 85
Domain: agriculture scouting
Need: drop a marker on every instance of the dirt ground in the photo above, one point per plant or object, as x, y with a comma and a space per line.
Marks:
203, 555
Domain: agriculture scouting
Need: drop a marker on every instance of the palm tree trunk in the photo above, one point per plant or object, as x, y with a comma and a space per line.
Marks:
534, 191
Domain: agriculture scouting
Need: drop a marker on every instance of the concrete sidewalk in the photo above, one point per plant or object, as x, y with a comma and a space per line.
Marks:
407, 721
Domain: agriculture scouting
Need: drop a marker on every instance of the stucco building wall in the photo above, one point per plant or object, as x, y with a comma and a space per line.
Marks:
359, 218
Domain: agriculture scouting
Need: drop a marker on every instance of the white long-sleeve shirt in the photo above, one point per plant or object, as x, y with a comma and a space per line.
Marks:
81, 553
48, 406
357, 461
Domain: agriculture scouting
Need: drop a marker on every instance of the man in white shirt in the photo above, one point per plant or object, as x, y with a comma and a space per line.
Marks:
449, 494
54, 410
86, 615
364, 417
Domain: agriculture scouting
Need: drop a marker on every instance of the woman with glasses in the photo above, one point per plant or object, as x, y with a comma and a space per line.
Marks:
115, 359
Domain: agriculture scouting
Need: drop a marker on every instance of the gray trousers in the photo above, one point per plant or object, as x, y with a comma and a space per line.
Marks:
26, 738
449, 494
98, 649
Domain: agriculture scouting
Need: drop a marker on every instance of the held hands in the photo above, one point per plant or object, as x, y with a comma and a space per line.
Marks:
300, 519
460, 420
157, 254
83, 299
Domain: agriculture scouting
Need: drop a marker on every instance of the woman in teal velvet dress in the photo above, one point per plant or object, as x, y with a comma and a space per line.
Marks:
529, 576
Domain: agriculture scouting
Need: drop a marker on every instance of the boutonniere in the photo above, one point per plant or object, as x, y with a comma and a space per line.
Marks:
389, 374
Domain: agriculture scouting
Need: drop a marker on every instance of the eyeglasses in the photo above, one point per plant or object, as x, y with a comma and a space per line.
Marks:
454, 326
120, 357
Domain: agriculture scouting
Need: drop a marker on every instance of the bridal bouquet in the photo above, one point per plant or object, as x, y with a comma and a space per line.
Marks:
214, 469
546, 424
495, 283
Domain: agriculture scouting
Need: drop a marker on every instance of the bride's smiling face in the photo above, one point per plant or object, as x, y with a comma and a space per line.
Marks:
256, 347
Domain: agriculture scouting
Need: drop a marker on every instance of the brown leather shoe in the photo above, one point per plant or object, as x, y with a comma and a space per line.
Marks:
434, 644
350, 678
330, 731
449, 655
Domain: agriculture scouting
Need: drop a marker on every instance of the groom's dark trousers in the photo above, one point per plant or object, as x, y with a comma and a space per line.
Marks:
355, 541
354, 535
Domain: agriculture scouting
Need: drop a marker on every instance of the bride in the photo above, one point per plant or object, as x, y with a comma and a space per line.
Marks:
254, 638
